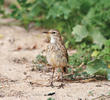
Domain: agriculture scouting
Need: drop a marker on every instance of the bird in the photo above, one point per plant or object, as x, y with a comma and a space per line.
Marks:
57, 55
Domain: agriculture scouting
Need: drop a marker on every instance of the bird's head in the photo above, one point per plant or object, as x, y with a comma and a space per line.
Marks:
54, 35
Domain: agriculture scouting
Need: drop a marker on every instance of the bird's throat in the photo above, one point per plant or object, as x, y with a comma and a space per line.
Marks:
52, 40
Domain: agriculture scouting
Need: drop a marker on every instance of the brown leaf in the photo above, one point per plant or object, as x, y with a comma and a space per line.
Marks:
18, 48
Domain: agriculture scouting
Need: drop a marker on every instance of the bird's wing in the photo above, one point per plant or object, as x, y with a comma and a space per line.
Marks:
64, 50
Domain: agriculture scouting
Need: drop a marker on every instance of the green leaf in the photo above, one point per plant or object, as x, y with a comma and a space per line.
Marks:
41, 59
108, 74
67, 44
74, 4
95, 53
97, 67
88, 18
97, 37
22, 1
50, 98
79, 32
1, 2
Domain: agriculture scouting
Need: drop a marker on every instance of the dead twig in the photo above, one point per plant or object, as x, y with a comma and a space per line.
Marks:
101, 97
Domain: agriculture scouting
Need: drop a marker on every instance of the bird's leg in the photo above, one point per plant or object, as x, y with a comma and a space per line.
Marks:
61, 85
62, 77
51, 84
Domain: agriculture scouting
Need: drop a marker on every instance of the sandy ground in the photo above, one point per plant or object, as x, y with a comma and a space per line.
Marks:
18, 82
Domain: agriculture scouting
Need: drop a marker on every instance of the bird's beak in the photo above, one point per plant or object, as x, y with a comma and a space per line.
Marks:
46, 32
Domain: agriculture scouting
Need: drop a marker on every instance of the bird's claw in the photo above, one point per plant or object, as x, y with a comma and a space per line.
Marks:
61, 86
51, 85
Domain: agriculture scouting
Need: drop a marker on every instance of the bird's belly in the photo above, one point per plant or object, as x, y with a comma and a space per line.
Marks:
56, 60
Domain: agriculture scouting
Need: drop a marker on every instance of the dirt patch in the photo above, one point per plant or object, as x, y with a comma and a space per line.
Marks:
18, 82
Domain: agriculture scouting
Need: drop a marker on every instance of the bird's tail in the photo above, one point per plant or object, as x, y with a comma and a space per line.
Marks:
65, 69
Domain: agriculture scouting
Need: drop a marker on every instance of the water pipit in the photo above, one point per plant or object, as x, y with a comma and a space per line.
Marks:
56, 55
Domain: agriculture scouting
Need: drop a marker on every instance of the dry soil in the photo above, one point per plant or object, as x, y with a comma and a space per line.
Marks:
18, 48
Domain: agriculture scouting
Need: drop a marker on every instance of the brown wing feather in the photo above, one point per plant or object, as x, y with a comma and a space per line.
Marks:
65, 50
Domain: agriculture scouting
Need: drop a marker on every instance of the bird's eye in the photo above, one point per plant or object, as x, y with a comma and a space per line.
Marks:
53, 32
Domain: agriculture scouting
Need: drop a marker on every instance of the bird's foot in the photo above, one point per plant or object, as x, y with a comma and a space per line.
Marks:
51, 85
61, 86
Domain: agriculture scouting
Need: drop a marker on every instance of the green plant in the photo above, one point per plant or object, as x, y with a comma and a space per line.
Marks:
40, 62
78, 61
2, 6
50, 98
92, 17
22, 11
81, 32
96, 60
100, 64
105, 53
